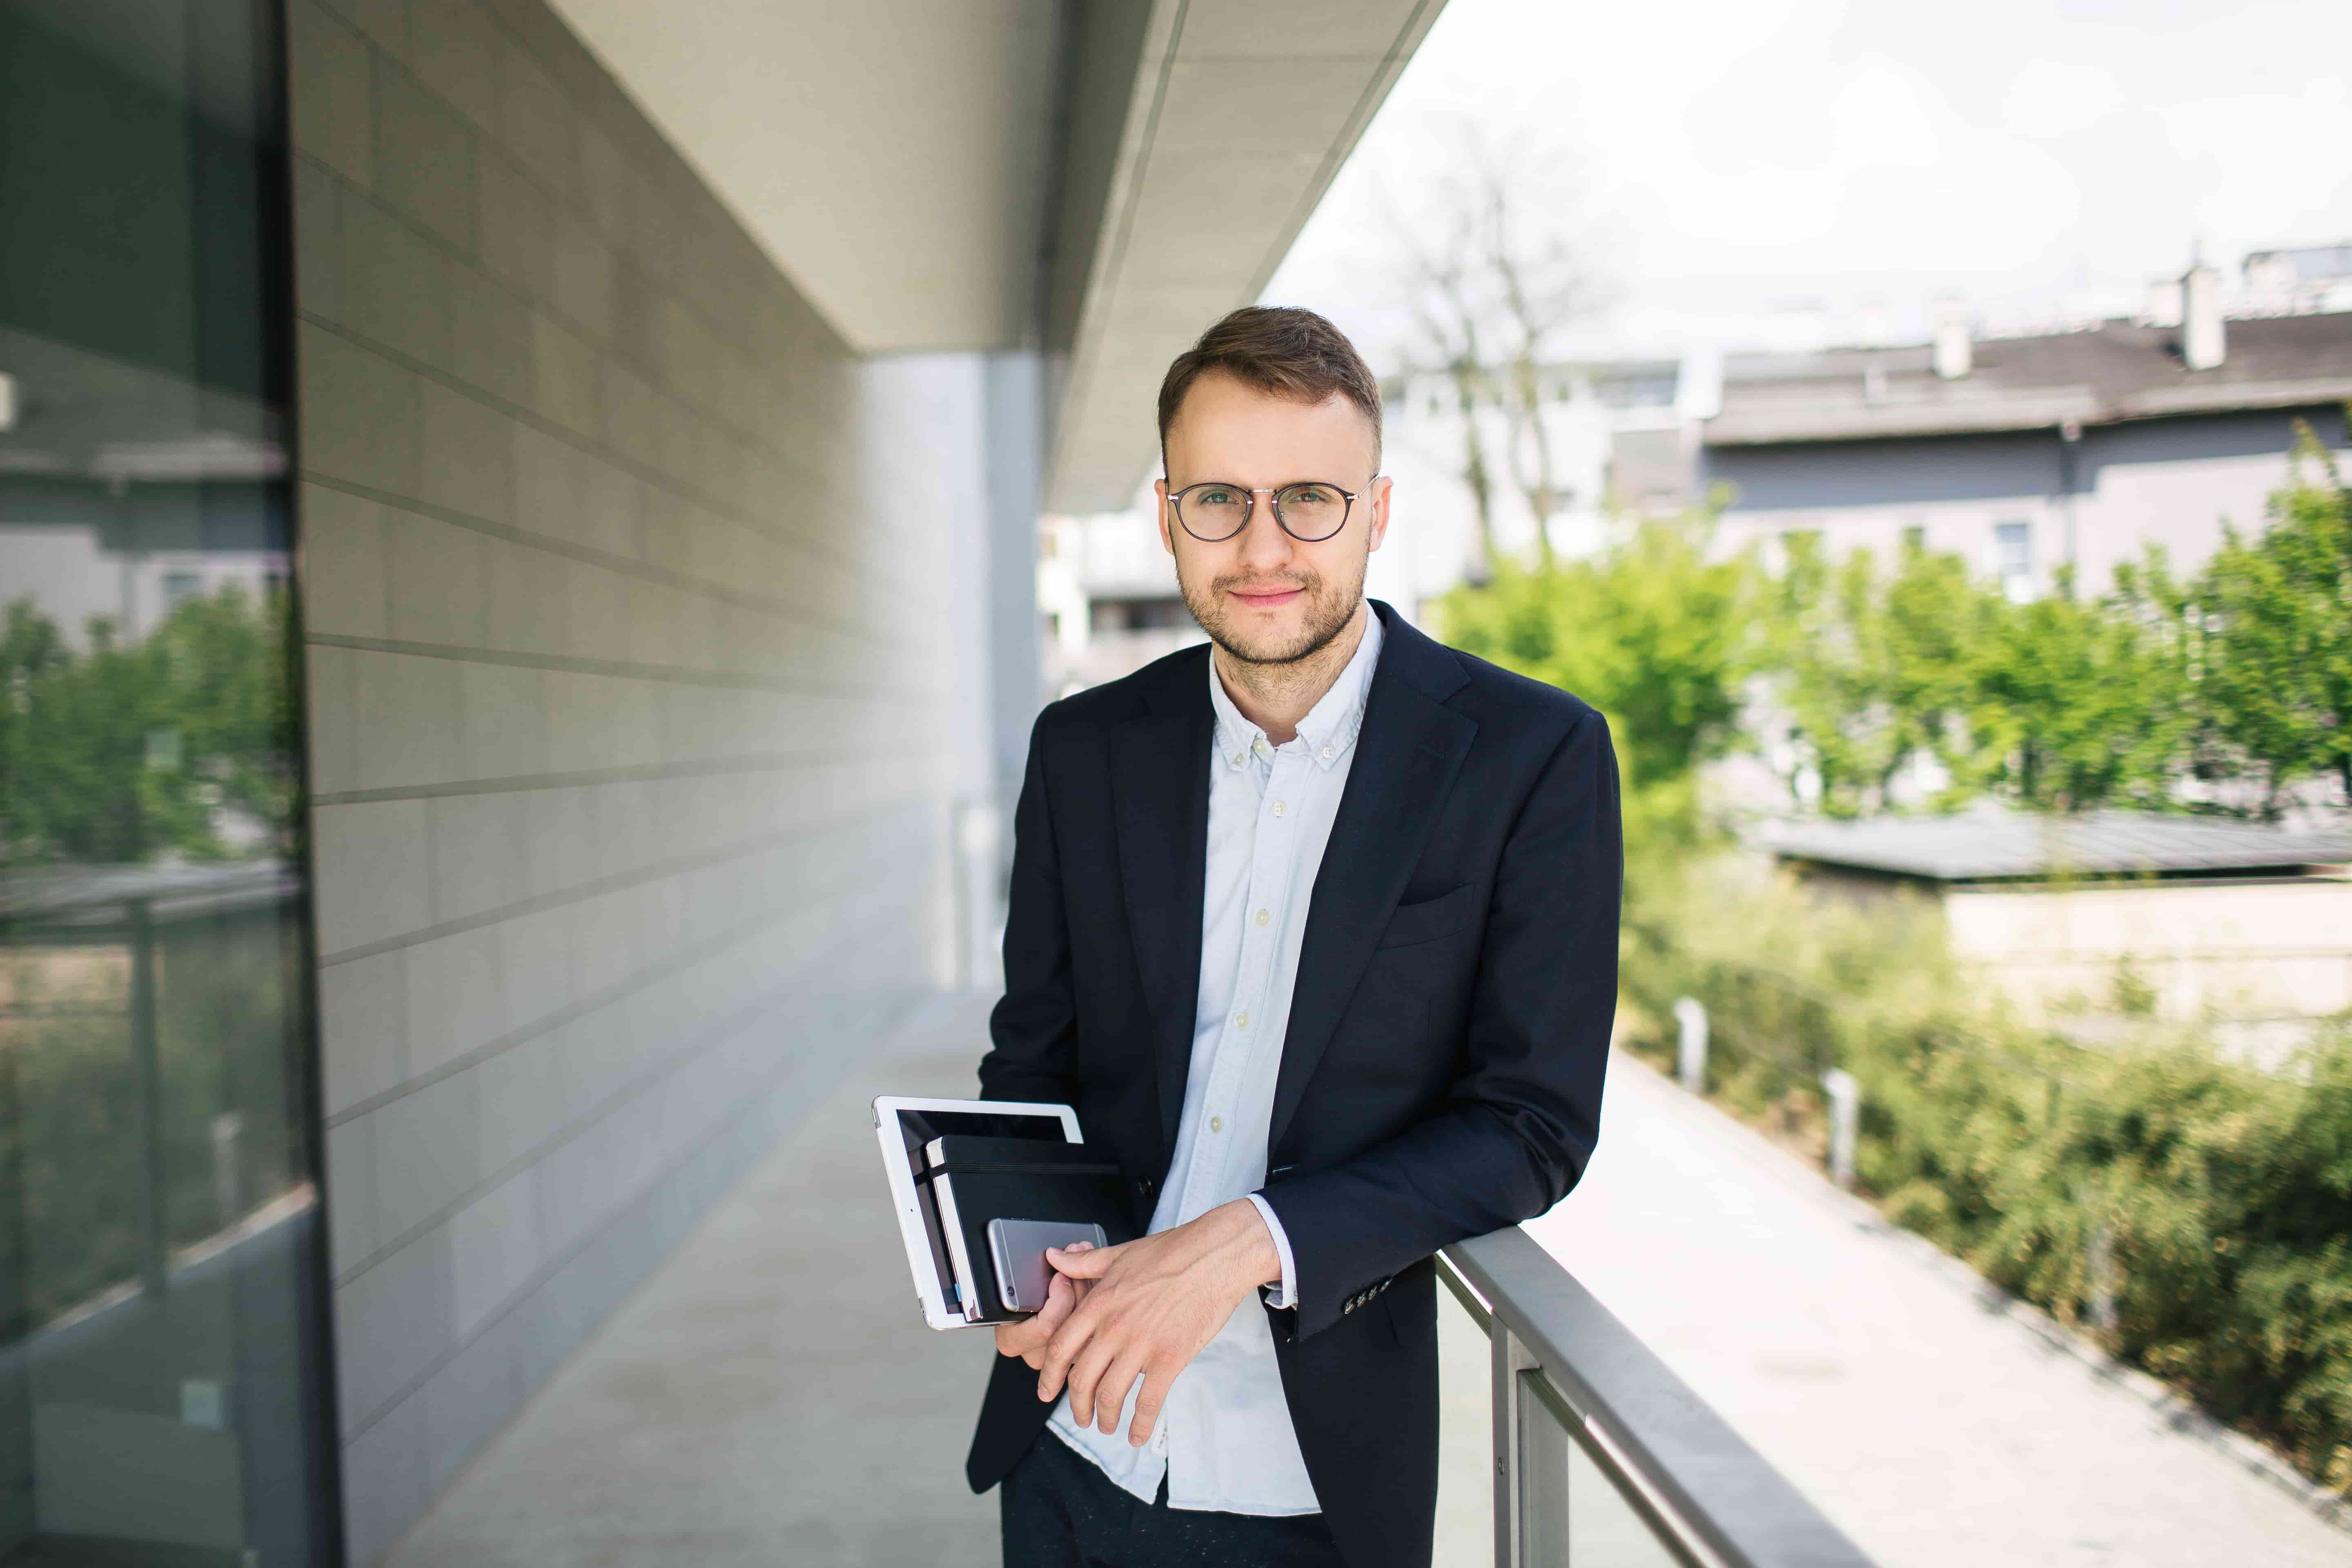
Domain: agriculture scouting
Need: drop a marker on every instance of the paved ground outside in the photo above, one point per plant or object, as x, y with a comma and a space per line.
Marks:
1938, 1433
772, 1396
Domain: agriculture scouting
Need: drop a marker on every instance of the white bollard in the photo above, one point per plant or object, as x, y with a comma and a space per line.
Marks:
1690, 1055
2100, 1310
1845, 1121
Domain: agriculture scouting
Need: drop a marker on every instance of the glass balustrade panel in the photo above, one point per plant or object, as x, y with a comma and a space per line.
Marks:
1466, 1440
1603, 1529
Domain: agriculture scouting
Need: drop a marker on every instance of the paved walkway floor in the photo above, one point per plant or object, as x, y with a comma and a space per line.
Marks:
771, 1395
1936, 1432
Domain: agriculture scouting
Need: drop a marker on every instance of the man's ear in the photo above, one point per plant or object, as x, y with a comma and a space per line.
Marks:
1167, 539
1382, 488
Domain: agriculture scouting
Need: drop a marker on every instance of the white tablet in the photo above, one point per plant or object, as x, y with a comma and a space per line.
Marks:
903, 1127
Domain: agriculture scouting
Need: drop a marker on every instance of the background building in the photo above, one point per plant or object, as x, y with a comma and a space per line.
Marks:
2210, 920
2025, 446
2033, 454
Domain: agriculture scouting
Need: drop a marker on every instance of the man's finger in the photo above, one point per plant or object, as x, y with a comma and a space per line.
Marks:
1111, 1393
1027, 1338
1146, 1406
1064, 1348
1020, 1338
1086, 1372
1083, 1261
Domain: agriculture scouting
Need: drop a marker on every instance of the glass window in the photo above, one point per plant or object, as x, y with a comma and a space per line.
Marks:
160, 1331
2012, 549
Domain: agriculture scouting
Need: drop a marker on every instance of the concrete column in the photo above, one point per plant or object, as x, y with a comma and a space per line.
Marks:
1015, 458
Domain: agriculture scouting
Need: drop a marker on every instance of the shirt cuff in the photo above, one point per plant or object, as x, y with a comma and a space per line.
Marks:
1284, 1295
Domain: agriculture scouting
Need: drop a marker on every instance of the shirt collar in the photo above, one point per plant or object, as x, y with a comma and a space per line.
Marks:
1330, 729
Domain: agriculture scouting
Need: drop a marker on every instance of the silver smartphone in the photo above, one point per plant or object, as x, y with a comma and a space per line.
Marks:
1017, 1247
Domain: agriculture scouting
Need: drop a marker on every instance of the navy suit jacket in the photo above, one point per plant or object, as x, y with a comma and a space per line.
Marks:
1440, 1076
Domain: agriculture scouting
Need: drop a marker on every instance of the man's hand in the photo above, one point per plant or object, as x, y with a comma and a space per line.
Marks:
1026, 1338
1148, 1307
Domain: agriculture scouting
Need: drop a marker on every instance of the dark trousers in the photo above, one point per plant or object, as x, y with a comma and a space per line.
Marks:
1060, 1511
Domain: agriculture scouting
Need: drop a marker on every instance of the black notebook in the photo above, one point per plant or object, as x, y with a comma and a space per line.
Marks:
972, 1180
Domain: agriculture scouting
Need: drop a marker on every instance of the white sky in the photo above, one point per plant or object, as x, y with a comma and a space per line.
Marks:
1743, 156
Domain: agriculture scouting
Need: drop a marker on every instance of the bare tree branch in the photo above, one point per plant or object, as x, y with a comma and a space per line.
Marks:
1490, 289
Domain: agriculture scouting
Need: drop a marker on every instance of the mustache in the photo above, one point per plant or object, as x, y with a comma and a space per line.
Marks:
1265, 585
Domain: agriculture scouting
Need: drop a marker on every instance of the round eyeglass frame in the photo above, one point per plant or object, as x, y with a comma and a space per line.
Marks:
1176, 500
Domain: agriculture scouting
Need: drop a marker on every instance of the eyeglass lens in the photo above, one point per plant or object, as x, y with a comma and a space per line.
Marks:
1308, 511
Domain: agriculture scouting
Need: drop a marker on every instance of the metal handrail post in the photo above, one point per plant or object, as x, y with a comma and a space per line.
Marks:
147, 1053
1521, 1525
1705, 1492
1503, 1424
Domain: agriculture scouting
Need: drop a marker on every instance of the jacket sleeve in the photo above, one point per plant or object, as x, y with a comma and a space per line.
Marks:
1520, 1123
1032, 1029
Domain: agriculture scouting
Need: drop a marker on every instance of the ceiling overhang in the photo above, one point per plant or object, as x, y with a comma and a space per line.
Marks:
1187, 179
891, 156
1099, 178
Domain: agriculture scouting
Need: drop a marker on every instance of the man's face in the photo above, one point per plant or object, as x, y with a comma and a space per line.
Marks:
1262, 596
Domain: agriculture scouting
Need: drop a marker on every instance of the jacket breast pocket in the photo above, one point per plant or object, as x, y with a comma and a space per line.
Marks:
1430, 920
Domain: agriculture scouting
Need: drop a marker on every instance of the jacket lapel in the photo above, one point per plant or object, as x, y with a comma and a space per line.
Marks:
1159, 776
1407, 752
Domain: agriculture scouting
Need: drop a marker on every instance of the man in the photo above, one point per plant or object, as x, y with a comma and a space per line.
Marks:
1317, 929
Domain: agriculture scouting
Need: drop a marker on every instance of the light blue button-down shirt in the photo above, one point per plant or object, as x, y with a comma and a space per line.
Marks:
1224, 1439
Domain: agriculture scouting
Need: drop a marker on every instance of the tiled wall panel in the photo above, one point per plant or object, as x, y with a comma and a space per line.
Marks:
631, 730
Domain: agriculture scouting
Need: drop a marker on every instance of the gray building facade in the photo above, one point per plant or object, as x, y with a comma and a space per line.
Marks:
2027, 456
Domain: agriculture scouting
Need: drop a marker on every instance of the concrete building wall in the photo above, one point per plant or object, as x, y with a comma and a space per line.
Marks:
2255, 949
639, 710
2176, 482
2172, 482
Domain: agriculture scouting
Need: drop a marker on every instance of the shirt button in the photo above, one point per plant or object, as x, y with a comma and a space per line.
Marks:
1326, 753
1277, 808
1263, 917
1216, 1124
1241, 1020
1159, 1443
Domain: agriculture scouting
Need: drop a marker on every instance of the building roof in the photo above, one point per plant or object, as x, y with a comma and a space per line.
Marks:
1992, 844
2306, 263
2117, 371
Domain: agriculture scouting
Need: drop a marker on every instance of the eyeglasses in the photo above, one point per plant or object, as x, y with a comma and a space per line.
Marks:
1309, 510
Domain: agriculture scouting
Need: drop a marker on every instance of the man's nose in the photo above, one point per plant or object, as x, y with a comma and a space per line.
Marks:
1264, 545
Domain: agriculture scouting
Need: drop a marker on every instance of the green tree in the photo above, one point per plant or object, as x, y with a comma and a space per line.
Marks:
127, 750
1873, 672
2277, 688
1650, 630
2086, 702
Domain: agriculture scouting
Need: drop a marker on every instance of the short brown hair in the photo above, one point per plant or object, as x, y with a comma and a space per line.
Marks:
1282, 350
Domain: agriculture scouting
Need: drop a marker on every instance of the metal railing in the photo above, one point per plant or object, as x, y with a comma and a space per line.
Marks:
1603, 1458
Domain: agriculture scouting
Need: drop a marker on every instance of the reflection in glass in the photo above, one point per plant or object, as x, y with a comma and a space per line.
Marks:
160, 1331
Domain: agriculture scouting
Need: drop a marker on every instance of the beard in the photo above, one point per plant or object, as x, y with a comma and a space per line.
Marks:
1329, 605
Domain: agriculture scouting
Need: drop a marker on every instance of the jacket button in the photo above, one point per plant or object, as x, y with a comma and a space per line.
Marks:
1147, 1186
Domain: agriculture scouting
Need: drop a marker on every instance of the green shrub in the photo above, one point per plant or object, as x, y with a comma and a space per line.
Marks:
2219, 1197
